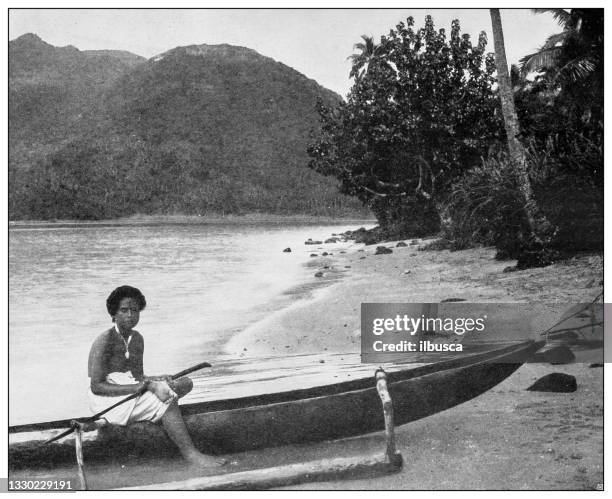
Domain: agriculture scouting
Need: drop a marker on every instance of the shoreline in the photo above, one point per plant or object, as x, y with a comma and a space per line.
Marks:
328, 320
155, 220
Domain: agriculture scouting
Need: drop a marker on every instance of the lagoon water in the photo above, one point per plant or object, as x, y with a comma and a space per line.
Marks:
203, 283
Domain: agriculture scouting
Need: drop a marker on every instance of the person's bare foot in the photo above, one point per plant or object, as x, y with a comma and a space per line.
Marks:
198, 460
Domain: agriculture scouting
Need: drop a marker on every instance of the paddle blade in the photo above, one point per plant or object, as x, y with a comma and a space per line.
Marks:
202, 365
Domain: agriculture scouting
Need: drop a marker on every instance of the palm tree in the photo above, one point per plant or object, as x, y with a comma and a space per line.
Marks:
363, 59
515, 148
573, 55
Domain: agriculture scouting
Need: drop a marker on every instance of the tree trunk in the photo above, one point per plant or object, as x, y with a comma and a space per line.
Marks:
511, 124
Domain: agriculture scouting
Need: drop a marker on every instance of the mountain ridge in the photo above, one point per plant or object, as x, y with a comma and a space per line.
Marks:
198, 128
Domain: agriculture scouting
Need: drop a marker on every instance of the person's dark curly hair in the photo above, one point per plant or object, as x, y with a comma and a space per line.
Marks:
113, 300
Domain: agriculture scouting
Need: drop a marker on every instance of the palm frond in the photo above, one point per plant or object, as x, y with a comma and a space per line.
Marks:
544, 59
367, 45
575, 70
361, 60
562, 16
555, 40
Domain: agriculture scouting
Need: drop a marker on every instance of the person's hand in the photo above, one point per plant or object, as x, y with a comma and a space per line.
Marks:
161, 390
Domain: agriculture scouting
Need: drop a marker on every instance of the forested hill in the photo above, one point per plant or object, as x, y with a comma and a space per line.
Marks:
52, 88
198, 129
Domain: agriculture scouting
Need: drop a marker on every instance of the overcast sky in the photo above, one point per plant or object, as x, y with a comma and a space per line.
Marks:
315, 42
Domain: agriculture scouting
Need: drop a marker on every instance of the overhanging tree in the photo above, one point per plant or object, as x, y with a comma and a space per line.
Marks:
421, 115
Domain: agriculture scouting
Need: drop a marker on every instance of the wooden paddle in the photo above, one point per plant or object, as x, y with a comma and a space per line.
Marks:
197, 367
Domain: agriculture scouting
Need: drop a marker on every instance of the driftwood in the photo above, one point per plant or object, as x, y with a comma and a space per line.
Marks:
313, 471
282, 476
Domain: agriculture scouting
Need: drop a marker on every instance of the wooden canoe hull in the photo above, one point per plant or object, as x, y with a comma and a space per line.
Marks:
301, 416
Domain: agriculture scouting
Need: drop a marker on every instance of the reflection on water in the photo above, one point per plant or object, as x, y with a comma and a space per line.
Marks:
202, 283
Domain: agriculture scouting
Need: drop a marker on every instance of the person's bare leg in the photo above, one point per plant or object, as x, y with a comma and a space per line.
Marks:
176, 430
182, 386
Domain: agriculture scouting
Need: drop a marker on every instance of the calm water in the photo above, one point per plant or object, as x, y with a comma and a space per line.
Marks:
203, 283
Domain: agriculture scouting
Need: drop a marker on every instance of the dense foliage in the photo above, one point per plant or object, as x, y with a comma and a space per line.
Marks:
198, 130
484, 207
421, 112
561, 115
420, 139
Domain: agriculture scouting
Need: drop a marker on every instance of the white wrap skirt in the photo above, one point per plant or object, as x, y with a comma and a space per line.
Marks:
146, 407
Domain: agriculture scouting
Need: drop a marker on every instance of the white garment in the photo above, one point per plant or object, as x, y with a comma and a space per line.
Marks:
146, 407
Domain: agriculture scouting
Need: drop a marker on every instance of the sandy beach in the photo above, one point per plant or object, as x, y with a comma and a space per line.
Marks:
329, 320
507, 438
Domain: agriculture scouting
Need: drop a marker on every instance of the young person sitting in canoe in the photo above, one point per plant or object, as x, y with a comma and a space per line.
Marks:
116, 370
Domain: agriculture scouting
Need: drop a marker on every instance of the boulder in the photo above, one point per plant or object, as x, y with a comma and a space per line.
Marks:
310, 241
362, 235
555, 382
383, 250
401, 244
319, 274
287, 250
314, 254
331, 240
367, 239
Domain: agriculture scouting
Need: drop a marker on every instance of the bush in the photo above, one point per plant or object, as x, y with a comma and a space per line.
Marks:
485, 207
405, 217
569, 190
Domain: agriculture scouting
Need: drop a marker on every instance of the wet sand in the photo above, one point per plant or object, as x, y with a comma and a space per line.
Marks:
507, 438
